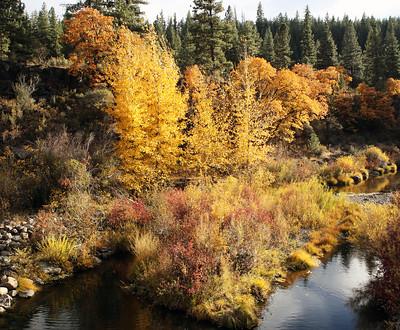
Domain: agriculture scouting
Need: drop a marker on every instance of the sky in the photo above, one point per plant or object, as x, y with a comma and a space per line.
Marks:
248, 8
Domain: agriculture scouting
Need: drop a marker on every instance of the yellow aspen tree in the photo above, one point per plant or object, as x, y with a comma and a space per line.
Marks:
291, 104
246, 90
148, 109
206, 144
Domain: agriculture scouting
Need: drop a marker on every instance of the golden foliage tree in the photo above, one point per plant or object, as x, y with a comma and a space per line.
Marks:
92, 37
249, 129
206, 142
148, 109
271, 105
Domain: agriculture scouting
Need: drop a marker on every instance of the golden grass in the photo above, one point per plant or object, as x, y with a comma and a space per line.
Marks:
25, 284
59, 250
301, 260
312, 249
144, 245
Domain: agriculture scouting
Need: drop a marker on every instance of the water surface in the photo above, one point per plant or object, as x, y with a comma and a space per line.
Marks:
94, 300
386, 183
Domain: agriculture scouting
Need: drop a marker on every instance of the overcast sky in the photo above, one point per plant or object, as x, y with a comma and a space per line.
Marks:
248, 8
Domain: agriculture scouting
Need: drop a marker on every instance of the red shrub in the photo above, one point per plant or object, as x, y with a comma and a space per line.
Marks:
177, 203
193, 266
125, 211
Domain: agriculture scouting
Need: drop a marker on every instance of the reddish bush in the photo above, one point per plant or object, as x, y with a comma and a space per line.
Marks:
177, 203
124, 211
193, 266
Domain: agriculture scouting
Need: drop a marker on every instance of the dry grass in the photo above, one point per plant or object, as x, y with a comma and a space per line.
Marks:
59, 250
301, 260
25, 284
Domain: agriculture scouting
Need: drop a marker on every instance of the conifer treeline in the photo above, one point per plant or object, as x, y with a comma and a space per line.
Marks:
23, 37
368, 47
217, 40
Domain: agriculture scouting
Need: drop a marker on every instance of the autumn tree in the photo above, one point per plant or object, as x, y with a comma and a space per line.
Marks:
375, 106
148, 109
92, 37
206, 146
269, 105
249, 129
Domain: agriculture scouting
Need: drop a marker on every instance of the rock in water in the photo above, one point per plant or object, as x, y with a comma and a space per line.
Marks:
3, 291
26, 294
5, 301
10, 283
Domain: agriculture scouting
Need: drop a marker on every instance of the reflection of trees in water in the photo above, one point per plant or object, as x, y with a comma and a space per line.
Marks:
346, 253
94, 300
370, 315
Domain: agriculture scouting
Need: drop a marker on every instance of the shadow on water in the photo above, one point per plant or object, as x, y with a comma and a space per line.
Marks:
94, 300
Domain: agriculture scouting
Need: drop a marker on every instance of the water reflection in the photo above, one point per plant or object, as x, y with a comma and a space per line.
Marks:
320, 300
385, 183
94, 300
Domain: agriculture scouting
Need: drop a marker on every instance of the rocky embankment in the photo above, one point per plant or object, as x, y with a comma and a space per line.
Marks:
13, 236
377, 198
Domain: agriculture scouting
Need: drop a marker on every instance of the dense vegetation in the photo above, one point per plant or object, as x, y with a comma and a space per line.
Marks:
103, 117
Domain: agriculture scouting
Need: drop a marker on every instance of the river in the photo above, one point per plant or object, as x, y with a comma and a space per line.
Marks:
95, 300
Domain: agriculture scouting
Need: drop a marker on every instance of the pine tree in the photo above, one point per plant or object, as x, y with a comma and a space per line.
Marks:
43, 25
267, 50
308, 49
295, 29
231, 37
282, 46
373, 58
250, 40
125, 12
392, 52
186, 54
173, 35
363, 29
15, 38
327, 54
208, 35
54, 34
261, 21
160, 26
351, 54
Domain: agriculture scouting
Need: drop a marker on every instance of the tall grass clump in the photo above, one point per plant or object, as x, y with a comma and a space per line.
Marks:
58, 250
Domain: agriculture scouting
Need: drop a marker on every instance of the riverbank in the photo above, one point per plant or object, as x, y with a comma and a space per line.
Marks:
214, 251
